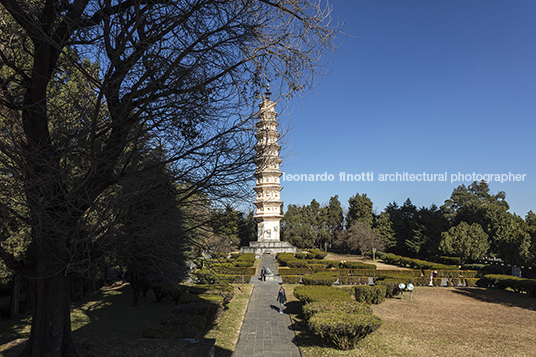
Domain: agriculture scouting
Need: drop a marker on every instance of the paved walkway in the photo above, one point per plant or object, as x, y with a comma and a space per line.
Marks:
265, 332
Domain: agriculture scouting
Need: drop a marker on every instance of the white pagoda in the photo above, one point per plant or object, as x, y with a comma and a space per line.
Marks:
268, 188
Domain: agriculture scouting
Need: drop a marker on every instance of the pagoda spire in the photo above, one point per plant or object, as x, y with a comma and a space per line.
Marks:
268, 188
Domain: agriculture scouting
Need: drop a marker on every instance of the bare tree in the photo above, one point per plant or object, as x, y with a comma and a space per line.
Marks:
359, 237
177, 76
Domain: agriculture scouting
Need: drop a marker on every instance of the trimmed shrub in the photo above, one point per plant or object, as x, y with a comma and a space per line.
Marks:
356, 265
518, 285
318, 254
349, 280
247, 257
370, 294
316, 267
328, 263
400, 276
470, 282
242, 279
230, 269
321, 278
391, 287
294, 271
421, 281
484, 269
450, 260
311, 293
349, 307
437, 281
343, 329
416, 263
296, 263
243, 264
283, 258
291, 279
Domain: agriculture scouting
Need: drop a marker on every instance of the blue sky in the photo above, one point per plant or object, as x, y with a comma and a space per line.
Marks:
420, 86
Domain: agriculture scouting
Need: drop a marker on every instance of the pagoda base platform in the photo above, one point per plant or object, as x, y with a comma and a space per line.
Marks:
260, 248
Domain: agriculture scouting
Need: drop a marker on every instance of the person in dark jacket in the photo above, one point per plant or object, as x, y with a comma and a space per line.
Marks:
282, 298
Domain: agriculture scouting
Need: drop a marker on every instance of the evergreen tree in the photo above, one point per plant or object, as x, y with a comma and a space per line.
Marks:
384, 227
359, 209
403, 219
476, 204
469, 242
331, 218
247, 229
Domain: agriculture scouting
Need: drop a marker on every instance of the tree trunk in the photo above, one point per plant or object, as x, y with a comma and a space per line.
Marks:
14, 302
51, 318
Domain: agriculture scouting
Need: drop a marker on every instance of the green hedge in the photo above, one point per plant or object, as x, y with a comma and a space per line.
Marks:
355, 265
294, 271
296, 263
518, 285
218, 269
243, 264
400, 276
370, 294
349, 306
352, 280
313, 293
283, 258
484, 269
321, 278
360, 272
291, 279
415, 263
323, 262
449, 274
450, 260
470, 282
391, 282
318, 254
247, 257
335, 317
343, 328
210, 276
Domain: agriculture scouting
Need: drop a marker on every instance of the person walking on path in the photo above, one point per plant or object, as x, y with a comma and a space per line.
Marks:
263, 274
282, 298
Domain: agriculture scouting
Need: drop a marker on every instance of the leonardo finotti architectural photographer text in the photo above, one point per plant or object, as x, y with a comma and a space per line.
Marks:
405, 177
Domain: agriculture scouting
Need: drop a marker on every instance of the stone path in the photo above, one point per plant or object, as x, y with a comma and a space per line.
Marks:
265, 332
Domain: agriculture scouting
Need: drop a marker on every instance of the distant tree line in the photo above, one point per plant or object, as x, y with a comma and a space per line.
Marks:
472, 224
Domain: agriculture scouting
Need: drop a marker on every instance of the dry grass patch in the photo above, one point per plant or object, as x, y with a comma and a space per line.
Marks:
358, 258
464, 322
227, 327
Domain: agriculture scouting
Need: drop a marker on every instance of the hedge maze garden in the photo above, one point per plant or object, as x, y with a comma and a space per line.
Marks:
342, 314
336, 296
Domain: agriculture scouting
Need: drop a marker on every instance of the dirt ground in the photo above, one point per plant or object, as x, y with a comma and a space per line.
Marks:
357, 258
460, 322
441, 322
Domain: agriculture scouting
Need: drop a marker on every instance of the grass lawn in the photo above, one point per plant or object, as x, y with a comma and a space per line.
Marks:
228, 326
109, 315
443, 322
